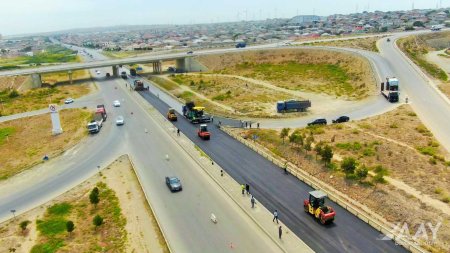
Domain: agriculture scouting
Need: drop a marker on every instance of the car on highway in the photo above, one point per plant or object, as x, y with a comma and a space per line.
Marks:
120, 121
116, 103
341, 119
190, 52
174, 184
69, 101
318, 122
97, 72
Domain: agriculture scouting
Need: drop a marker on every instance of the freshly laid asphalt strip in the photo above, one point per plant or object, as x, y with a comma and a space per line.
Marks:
275, 190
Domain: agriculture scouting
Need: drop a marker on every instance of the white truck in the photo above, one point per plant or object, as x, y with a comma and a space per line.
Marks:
99, 116
390, 89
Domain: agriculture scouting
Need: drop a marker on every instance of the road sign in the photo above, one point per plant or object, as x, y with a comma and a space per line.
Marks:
52, 108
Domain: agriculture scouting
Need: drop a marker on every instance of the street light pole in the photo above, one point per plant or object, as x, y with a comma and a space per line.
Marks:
13, 211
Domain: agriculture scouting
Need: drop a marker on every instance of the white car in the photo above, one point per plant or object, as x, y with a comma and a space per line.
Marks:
98, 72
120, 121
116, 103
69, 101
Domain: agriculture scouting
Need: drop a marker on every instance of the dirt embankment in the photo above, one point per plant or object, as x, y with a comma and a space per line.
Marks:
369, 44
128, 223
321, 71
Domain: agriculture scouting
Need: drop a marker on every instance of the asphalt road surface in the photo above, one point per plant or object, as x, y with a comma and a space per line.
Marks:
184, 215
278, 191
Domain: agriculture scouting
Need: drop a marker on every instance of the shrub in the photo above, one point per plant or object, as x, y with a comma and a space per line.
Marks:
97, 221
23, 225
348, 165
327, 155
361, 172
13, 94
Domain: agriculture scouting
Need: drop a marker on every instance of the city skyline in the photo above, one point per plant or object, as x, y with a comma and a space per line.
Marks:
39, 16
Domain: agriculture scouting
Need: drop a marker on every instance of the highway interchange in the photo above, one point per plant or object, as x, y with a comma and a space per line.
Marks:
184, 217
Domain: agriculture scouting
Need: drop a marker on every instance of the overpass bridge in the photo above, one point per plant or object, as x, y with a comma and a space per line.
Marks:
184, 62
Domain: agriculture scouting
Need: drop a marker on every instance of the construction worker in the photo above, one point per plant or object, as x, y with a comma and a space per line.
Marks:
275, 216
243, 189
280, 232
247, 188
253, 201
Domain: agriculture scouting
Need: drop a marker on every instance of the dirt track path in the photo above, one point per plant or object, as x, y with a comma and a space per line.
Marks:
320, 103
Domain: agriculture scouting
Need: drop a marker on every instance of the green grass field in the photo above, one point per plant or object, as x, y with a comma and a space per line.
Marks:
52, 54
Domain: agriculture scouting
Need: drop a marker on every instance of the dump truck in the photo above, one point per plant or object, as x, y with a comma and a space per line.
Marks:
315, 205
390, 89
99, 117
203, 132
241, 45
139, 85
195, 114
293, 105
171, 115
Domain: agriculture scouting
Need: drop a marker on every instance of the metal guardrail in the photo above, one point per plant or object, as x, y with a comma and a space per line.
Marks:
354, 207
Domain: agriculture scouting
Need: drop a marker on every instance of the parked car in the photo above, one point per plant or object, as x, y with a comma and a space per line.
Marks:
341, 119
190, 52
69, 101
120, 121
318, 122
174, 184
116, 103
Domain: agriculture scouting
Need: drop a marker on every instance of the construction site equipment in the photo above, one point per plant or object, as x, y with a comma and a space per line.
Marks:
315, 205
203, 132
195, 114
171, 115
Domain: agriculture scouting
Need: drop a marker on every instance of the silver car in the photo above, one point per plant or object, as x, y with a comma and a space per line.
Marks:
120, 121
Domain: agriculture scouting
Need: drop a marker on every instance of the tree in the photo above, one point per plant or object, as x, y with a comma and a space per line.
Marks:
284, 133
383, 29
327, 154
70, 226
318, 149
97, 221
23, 225
307, 146
418, 23
296, 138
93, 197
361, 172
348, 165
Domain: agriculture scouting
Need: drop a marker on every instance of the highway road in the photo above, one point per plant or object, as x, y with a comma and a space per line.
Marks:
184, 215
277, 191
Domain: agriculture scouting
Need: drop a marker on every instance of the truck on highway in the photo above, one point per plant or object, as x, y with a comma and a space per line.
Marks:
241, 45
132, 72
123, 74
99, 117
293, 105
390, 89
139, 85
195, 114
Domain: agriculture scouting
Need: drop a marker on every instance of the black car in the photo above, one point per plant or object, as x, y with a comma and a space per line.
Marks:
341, 119
318, 122
174, 184
190, 52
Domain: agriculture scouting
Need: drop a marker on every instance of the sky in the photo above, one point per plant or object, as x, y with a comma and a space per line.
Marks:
34, 16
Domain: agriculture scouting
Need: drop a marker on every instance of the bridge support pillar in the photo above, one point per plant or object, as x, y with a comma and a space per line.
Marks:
36, 81
157, 67
70, 76
190, 64
115, 71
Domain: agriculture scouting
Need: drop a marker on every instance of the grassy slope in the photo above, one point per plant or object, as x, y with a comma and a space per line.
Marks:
416, 47
109, 237
40, 98
30, 139
334, 73
369, 44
